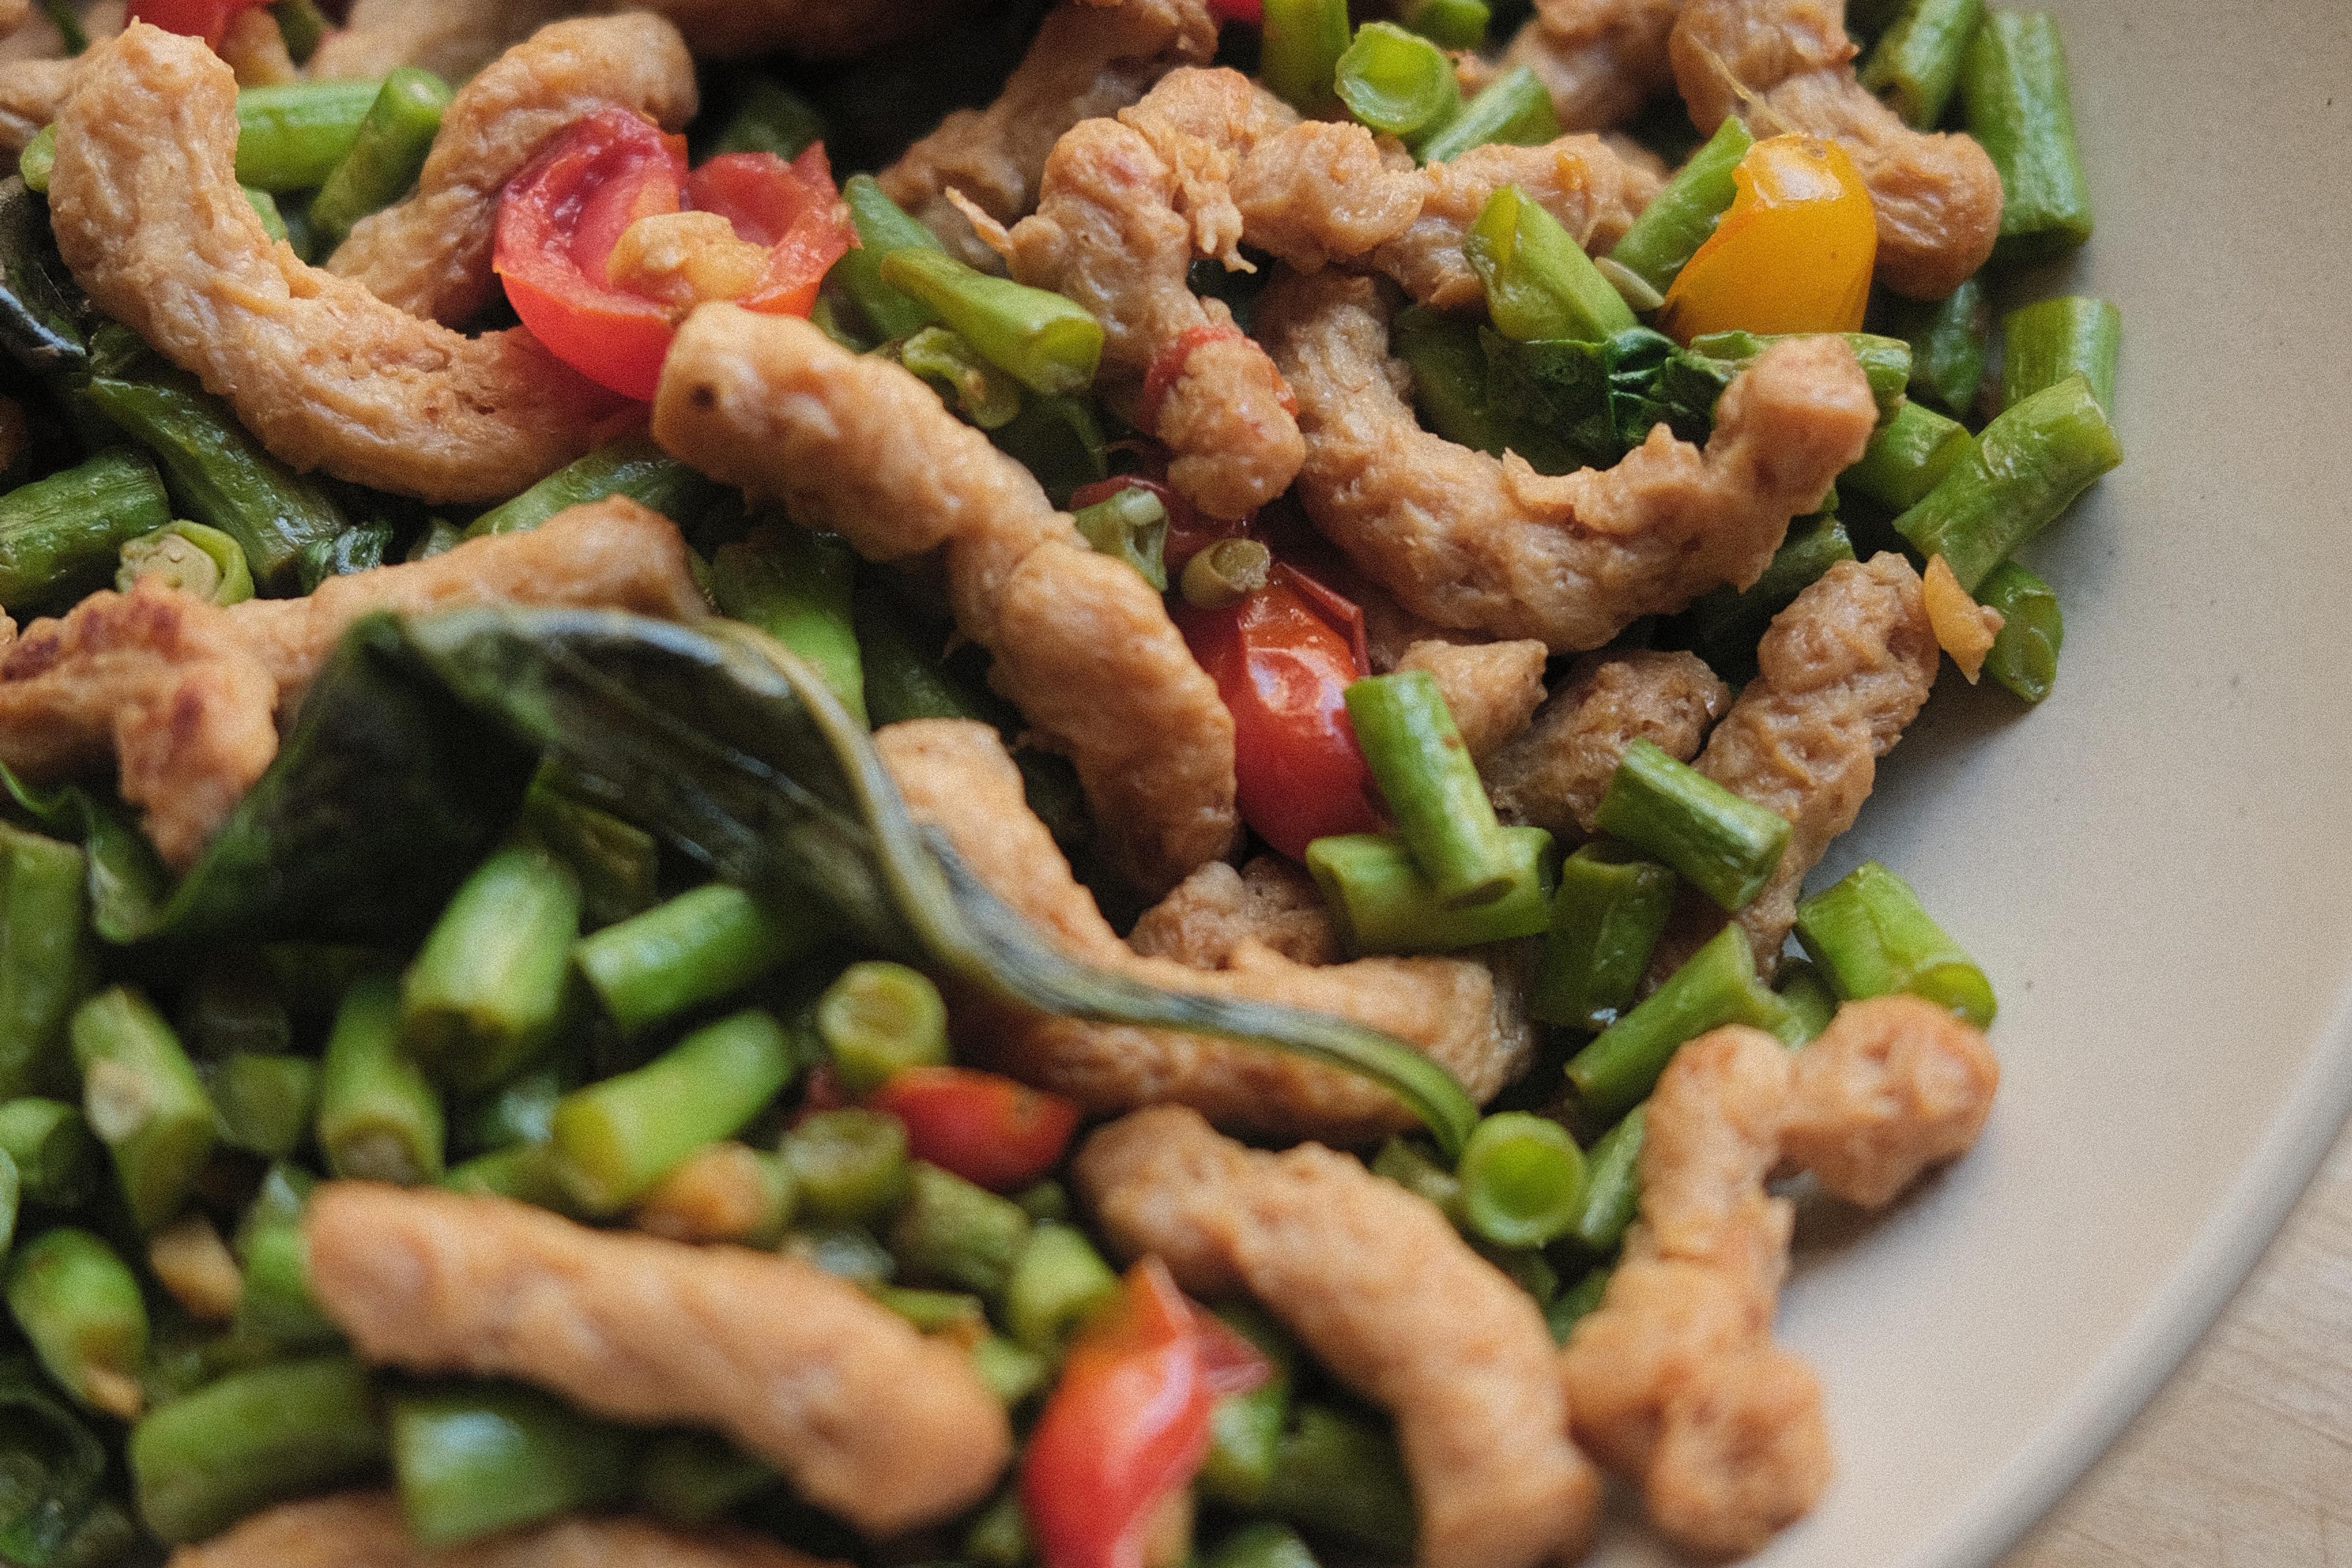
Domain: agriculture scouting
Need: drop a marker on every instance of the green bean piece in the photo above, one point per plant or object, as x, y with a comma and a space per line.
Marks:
850, 1165
1810, 998
1225, 572
1057, 1283
1299, 55
78, 1305
265, 208
476, 1459
487, 991
1915, 63
1716, 985
1726, 847
1885, 361
1432, 789
379, 1119
144, 1100
1383, 903
632, 466
1577, 1304
220, 475
1909, 457
998, 1535
1525, 1266
62, 536
207, 1459
1246, 1430
1397, 82
1341, 1474
1417, 1173
291, 136
619, 1138
618, 863
279, 1308
1872, 937
983, 394
1605, 920
907, 676
2014, 96
795, 586
1050, 344
12, 1194
1539, 283
936, 1311
1059, 441
878, 1018
520, 1111
1724, 625
303, 26
2044, 342
1684, 212
771, 117
440, 537
2024, 656
1522, 1180
267, 1103
1131, 526
1514, 110
528, 1172
51, 1147
201, 561
49, 958
697, 948
386, 156
2026, 468
1449, 379
696, 1479
1264, 1544
39, 158
1612, 1186
882, 228
1047, 1201
955, 1232
363, 547
1011, 1372
1949, 338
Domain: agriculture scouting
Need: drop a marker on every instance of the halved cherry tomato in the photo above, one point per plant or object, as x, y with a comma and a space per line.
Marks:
205, 19
1793, 255
1252, 11
559, 219
987, 1128
1283, 669
1127, 1425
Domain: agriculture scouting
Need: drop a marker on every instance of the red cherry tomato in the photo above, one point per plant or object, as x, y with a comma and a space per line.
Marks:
205, 19
1283, 668
1188, 532
1127, 1424
561, 218
1252, 11
987, 1128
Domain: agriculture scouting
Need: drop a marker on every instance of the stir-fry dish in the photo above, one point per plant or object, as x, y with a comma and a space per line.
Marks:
982, 782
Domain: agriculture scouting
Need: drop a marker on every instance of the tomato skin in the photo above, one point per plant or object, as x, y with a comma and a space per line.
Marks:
1250, 11
205, 19
793, 209
1127, 1424
985, 1128
1283, 670
1794, 254
558, 222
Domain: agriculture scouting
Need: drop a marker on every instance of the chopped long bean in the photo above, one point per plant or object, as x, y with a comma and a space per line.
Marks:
291, 136
1909, 457
1872, 936
1539, 283
2024, 656
981, 393
958, 1233
2014, 94
201, 561
1949, 338
795, 586
51, 1147
1726, 847
78, 1305
386, 155
1340, 1474
850, 1167
1681, 215
1058, 1282
695, 949
486, 990
1298, 57
1613, 1187
1424, 772
618, 1138
882, 228
1452, 25
1513, 109
1605, 920
1246, 1430
207, 1459
1716, 985
476, 1460
1383, 903
1050, 344
1915, 63
1397, 82
267, 1103
49, 958
878, 1018
379, 1119
2043, 344
2025, 469
631, 466
64, 535
1577, 1304
144, 1100
363, 547
1523, 1180
1724, 625
696, 1477
1809, 997
1130, 526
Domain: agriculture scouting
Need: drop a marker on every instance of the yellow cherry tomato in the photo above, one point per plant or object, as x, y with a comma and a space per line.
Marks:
1793, 255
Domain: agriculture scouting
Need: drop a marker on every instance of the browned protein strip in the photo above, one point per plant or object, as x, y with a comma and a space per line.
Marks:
366, 1529
1599, 59
430, 254
1491, 689
1389, 1298
1840, 675
863, 1416
1082, 644
31, 93
186, 697
1595, 191
1674, 1382
1217, 910
1087, 61
1469, 541
150, 217
1553, 775
1788, 64
453, 38
957, 777
1206, 159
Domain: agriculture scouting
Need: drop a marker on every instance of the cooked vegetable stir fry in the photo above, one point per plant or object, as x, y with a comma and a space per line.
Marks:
920, 782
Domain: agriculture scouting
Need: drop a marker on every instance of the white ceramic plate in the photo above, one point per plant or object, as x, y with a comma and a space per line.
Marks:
2154, 866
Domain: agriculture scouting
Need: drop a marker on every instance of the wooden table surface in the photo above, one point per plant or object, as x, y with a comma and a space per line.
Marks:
2244, 1460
